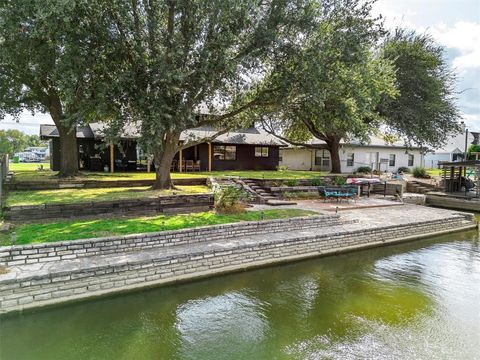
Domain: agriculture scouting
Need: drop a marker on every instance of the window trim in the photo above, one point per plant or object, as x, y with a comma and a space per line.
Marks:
262, 154
222, 149
390, 161
412, 158
322, 160
350, 162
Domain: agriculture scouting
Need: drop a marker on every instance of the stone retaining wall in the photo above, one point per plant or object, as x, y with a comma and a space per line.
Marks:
88, 184
97, 279
46, 252
161, 204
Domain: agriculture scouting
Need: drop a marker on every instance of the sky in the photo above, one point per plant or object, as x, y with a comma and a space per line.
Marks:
453, 23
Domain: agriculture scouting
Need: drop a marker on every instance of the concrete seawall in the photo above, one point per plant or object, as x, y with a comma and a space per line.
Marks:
139, 261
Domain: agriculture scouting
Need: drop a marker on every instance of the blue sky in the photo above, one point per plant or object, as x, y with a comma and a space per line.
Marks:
453, 23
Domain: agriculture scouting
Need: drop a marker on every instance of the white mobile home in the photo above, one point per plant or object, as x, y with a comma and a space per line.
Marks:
377, 154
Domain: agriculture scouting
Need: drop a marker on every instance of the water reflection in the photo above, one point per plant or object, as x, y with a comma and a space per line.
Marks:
416, 300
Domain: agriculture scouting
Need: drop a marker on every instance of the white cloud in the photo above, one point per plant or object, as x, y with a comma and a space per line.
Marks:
462, 36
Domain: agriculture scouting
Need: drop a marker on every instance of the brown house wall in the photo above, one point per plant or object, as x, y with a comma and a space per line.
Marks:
245, 160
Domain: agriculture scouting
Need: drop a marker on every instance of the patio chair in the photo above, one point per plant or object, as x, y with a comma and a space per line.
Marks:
188, 165
196, 166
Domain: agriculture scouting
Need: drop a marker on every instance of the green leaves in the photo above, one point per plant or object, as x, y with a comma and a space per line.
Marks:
424, 111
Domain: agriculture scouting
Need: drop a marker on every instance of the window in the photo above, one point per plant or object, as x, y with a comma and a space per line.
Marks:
261, 151
225, 152
410, 160
322, 158
391, 162
350, 159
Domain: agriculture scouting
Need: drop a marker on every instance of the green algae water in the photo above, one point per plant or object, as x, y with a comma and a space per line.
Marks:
419, 300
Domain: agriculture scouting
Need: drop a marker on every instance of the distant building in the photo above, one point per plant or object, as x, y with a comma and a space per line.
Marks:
454, 150
33, 154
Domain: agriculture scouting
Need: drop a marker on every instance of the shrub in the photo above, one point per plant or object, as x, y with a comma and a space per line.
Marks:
282, 168
228, 200
316, 182
292, 182
404, 170
420, 172
339, 180
364, 170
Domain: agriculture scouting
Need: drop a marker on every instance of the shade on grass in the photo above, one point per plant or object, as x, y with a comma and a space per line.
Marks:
83, 229
56, 196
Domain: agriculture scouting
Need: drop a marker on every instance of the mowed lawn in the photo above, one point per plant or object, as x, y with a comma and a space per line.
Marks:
83, 229
56, 196
29, 172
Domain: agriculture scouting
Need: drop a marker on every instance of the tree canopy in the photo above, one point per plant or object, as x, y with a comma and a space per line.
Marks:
175, 65
335, 84
425, 111
44, 66
353, 81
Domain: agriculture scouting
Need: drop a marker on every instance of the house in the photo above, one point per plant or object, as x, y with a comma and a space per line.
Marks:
454, 150
248, 149
377, 154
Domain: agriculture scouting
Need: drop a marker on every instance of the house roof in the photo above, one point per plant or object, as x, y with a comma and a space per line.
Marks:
250, 136
50, 131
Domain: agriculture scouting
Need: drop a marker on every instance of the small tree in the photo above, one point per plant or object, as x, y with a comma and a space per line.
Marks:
12, 141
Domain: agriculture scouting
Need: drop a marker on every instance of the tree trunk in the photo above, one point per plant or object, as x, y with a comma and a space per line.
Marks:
334, 147
67, 137
162, 159
68, 151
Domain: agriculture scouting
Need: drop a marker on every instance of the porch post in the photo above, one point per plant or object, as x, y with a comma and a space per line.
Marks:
209, 157
112, 152
180, 160
148, 164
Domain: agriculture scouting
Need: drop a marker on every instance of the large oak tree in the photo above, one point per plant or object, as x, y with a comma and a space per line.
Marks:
353, 82
43, 65
172, 65
335, 84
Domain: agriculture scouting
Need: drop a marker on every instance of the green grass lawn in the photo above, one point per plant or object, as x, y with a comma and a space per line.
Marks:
37, 197
29, 172
83, 229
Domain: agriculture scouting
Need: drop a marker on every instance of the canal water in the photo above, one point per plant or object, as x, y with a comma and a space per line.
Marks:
419, 300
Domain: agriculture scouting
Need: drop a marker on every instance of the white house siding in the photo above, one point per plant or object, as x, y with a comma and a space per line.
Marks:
303, 159
373, 156
296, 158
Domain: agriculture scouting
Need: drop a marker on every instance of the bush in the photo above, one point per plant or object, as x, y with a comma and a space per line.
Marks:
404, 170
291, 182
282, 168
420, 172
228, 200
364, 170
316, 182
339, 180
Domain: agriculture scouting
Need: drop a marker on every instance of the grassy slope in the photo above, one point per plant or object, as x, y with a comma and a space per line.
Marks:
82, 229
38, 197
